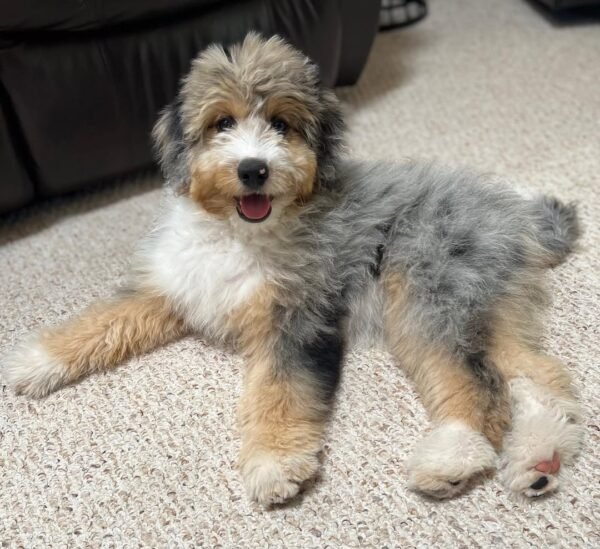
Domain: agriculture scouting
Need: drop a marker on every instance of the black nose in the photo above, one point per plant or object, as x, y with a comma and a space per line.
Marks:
253, 172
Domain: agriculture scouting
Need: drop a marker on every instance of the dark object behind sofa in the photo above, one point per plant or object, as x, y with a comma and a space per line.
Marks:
81, 83
568, 4
400, 13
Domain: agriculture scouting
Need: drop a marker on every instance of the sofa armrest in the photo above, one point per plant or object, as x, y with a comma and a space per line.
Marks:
16, 187
359, 26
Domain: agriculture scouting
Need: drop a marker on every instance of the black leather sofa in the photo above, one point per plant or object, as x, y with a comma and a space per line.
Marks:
81, 82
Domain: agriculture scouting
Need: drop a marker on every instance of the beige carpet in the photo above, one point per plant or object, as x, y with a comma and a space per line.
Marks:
145, 455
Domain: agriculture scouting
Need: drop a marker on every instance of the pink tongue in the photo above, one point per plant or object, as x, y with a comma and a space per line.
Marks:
255, 206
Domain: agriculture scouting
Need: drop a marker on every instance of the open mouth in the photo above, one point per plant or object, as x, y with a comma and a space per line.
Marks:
254, 208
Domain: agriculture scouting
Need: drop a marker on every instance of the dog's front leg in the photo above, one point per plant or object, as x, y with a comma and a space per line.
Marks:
99, 338
293, 365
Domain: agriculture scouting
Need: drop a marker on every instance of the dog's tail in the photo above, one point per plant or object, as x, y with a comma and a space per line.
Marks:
557, 229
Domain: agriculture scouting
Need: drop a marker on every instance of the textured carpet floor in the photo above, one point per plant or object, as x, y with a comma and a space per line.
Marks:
145, 455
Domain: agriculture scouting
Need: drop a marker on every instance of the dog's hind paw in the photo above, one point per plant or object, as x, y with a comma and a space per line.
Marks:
546, 434
536, 481
447, 458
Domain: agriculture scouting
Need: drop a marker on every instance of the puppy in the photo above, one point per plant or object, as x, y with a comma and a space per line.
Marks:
274, 243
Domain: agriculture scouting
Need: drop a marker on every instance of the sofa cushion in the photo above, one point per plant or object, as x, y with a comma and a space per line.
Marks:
78, 15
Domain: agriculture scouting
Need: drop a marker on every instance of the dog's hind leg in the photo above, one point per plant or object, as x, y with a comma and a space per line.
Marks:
101, 337
465, 397
546, 428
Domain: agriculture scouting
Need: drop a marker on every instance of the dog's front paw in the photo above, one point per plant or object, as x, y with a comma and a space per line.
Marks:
443, 461
270, 478
31, 370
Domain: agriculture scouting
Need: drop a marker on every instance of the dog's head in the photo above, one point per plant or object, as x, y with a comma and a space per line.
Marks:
252, 135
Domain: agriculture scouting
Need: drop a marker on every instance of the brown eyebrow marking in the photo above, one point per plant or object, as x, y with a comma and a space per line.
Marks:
209, 113
290, 109
234, 106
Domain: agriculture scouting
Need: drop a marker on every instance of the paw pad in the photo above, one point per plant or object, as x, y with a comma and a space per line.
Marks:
539, 483
549, 467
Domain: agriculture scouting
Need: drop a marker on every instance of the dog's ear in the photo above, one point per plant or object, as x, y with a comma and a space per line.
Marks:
332, 129
170, 148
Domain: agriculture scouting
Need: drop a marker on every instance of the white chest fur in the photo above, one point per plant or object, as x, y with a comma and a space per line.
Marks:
197, 262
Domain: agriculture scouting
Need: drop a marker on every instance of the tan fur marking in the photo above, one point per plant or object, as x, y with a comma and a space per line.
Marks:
252, 325
305, 162
280, 416
516, 353
224, 100
292, 110
302, 157
107, 333
234, 106
214, 186
449, 391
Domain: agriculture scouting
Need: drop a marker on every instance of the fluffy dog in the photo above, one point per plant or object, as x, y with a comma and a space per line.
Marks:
273, 242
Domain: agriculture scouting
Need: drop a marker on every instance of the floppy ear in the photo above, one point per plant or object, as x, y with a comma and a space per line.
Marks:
332, 129
169, 147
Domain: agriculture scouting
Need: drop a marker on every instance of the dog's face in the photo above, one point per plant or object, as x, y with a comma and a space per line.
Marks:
252, 135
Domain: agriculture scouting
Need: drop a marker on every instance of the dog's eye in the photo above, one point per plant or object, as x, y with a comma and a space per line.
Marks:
279, 125
225, 123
